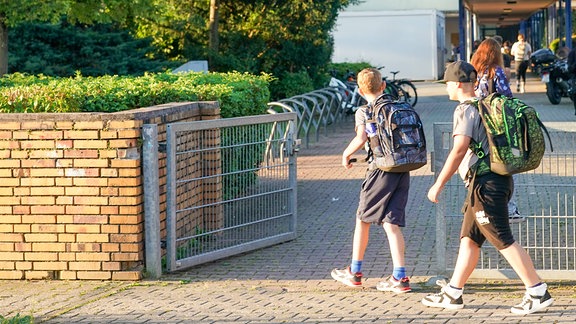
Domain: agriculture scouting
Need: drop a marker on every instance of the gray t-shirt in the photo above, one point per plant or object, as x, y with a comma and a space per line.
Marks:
467, 121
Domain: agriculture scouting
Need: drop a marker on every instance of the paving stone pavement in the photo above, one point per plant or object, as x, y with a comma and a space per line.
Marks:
290, 282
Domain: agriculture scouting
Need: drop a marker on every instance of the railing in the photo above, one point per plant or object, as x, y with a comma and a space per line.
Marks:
315, 110
547, 196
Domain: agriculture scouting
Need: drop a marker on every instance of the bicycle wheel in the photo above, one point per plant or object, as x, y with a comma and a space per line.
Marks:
392, 90
408, 92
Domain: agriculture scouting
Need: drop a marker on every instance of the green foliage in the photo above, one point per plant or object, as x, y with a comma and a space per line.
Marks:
15, 12
341, 70
63, 50
278, 37
17, 320
554, 45
239, 94
291, 84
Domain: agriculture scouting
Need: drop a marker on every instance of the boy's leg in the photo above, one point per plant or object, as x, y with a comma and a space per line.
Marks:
468, 254
359, 244
537, 296
450, 296
521, 263
398, 282
396, 243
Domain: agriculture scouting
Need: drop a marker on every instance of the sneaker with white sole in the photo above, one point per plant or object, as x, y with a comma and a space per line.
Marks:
514, 216
348, 278
393, 285
443, 299
532, 304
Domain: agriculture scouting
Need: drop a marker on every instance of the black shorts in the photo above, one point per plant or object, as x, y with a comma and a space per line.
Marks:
486, 211
383, 198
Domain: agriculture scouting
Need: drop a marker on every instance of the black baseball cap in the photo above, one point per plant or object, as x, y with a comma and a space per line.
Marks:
460, 71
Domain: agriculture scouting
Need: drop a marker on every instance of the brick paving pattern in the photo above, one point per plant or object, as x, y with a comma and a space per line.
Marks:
290, 282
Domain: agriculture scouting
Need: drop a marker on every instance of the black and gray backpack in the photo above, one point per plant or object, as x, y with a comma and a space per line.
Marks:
398, 143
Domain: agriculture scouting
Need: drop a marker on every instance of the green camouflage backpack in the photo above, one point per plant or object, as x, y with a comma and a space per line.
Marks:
515, 136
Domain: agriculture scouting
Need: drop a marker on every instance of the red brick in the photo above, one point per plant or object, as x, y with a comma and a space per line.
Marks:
82, 228
90, 266
41, 256
24, 265
54, 265
36, 219
90, 219
11, 256
12, 275
40, 163
44, 237
51, 210
81, 154
83, 210
82, 237
82, 125
48, 247
85, 247
87, 200
92, 256
94, 275
126, 256
75, 172
127, 275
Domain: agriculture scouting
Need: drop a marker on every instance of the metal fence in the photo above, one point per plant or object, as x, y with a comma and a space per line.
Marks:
230, 188
547, 196
315, 110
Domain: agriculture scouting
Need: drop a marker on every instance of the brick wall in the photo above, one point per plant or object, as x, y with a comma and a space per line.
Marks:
71, 195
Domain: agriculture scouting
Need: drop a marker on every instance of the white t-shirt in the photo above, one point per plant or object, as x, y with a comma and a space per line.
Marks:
521, 51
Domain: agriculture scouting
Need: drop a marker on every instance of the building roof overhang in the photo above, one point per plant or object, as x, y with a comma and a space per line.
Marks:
505, 12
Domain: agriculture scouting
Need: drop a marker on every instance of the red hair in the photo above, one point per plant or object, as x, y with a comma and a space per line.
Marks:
487, 57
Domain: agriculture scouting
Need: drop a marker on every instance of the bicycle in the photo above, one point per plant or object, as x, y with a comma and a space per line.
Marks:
404, 87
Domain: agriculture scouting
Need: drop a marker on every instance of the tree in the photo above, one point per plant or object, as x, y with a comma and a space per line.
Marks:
277, 36
15, 12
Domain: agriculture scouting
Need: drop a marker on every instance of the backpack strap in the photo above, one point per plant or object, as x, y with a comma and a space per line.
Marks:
483, 165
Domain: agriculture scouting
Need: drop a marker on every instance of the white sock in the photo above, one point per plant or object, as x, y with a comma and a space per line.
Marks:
453, 292
538, 290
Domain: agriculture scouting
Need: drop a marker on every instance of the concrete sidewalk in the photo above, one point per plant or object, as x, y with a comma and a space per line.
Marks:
290, 282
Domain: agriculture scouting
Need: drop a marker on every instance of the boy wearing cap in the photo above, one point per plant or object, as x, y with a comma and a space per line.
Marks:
486, 207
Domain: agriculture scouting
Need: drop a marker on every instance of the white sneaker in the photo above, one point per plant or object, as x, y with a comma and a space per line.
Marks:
532, 304
442, 299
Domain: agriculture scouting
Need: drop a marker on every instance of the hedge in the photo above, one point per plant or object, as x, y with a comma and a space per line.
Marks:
239, 94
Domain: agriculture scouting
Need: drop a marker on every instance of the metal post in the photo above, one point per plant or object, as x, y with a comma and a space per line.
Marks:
568, 21
462, 30
151, 201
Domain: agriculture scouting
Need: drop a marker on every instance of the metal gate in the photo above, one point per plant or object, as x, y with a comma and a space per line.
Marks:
230, 187
546, 195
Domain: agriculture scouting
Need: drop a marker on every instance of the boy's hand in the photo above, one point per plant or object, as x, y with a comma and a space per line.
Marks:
434, 192
347, 163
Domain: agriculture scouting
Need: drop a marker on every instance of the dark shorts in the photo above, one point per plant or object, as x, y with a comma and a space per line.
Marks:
486, 211
383, 198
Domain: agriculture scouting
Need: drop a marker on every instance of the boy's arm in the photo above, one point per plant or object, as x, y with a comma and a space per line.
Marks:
461, 143
356, 144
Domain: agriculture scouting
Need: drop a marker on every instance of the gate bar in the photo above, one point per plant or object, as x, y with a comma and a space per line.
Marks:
151, 201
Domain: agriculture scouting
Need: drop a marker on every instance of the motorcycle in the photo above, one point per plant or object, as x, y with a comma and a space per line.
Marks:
554, 72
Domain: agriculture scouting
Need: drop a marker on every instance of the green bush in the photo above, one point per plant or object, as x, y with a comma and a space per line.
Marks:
239, 94
17, 320
291, 84
340, 70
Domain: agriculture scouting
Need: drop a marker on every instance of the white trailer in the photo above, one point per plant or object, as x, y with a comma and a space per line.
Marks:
409, 41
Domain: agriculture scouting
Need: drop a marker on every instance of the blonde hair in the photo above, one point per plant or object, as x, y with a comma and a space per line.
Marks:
370, 81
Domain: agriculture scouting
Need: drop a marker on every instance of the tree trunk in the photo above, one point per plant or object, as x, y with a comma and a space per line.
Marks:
213, 26
3, 47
